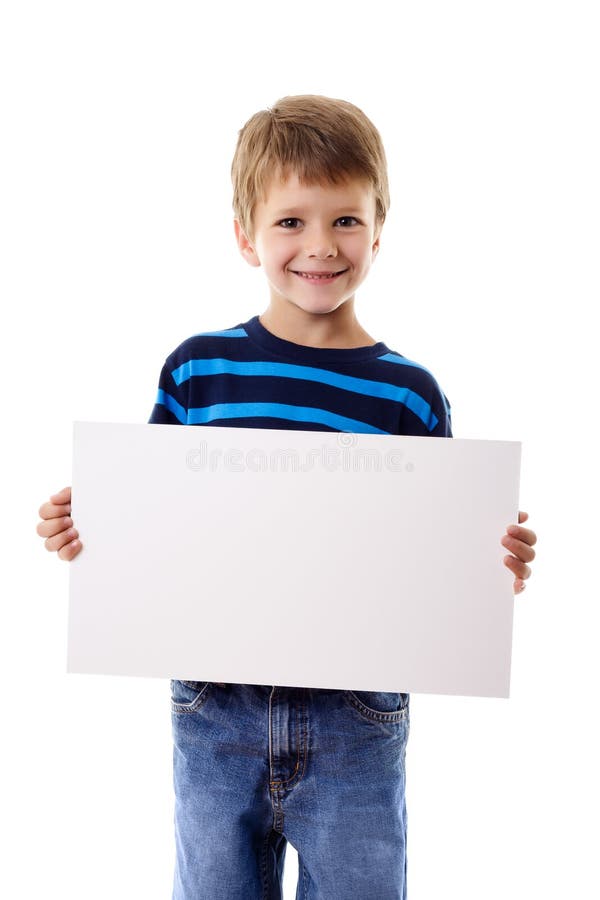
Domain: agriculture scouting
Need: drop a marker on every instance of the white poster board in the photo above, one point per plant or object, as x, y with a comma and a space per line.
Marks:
299, 558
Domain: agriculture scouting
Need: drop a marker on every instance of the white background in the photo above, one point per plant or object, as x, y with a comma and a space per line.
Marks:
119, 121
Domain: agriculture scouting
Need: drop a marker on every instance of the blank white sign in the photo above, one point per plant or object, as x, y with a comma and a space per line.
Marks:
299, 558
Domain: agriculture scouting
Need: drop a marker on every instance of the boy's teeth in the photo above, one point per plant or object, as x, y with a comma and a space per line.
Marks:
305, 275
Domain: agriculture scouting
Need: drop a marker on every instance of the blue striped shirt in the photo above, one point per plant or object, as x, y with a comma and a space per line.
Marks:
246, 377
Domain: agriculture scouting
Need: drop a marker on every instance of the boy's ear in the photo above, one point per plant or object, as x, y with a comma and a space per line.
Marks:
376, 243
246, 248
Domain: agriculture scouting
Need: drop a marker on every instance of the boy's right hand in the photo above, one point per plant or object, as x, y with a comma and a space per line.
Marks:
57, 526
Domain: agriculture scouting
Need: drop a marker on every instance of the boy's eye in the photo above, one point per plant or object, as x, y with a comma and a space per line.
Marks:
293, 219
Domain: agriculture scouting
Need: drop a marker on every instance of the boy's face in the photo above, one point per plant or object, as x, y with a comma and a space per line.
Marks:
310, 229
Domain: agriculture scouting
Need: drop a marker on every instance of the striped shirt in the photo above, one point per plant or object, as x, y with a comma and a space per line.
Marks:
246, 377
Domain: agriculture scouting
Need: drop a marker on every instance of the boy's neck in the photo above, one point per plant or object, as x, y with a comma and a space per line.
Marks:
338, 329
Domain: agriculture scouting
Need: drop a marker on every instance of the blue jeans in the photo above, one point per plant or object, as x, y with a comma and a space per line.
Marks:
256, 766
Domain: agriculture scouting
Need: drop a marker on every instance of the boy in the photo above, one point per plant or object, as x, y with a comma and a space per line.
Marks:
258, 765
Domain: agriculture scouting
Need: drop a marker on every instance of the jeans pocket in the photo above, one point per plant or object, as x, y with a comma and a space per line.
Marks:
381, 706
188, 696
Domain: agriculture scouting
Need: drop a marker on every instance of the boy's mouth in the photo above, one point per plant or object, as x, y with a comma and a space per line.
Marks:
319, 276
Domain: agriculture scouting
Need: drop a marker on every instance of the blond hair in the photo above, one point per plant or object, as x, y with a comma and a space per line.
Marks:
320, 139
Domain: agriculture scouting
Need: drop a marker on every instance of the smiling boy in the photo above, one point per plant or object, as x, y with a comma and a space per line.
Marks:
316, 244
256, 766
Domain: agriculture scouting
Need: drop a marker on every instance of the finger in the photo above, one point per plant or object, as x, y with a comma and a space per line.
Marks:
53, 510
50, 527
518, 586
61, 497
70, 550
523, 516
59, 540
523, 534
521, 550
57, 501
518, 568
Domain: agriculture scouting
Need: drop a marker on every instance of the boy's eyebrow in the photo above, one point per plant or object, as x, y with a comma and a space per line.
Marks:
297, 210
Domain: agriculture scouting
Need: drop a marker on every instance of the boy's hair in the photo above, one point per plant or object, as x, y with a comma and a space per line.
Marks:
320, 139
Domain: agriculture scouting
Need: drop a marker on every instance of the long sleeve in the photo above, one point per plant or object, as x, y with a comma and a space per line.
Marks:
441, 407
171, 405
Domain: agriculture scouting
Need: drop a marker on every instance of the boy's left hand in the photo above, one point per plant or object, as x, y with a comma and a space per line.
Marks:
520, 542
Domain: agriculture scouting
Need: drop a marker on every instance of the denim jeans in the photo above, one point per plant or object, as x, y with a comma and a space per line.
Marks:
256, 766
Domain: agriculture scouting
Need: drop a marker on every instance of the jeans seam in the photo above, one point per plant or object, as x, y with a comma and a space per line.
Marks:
303, 731
304, 882
194, 705
264, 868
370, 715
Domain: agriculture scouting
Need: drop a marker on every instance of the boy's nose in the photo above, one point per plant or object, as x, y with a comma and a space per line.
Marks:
322, 254
321, 248
320, 241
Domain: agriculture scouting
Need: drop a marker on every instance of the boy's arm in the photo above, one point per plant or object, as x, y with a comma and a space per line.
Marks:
170, 407
57, 525
517, 539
